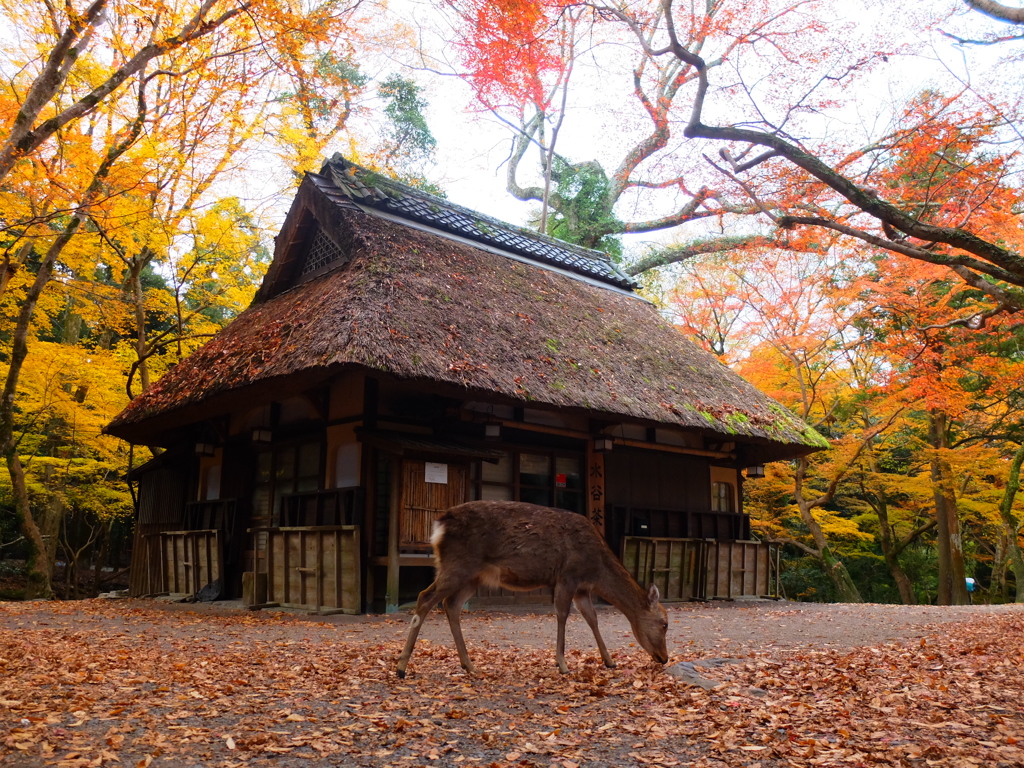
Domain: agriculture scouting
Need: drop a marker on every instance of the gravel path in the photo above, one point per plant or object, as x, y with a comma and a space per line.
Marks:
725, 628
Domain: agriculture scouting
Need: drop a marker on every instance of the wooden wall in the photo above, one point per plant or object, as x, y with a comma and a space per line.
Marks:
162, 496
655, 480
662, 484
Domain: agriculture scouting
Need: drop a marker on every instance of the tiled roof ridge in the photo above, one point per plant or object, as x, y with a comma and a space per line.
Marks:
407, 202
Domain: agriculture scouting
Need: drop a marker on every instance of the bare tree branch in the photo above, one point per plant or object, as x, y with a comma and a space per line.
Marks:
978, 259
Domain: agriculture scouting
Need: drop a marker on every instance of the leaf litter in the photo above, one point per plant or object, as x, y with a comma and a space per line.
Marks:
96, 683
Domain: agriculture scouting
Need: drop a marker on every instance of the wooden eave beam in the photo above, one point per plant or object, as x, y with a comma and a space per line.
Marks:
579, 435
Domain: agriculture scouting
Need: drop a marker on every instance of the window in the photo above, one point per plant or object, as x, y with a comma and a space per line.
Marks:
536, 477
322, 251
291, 468
722, 497
535, 482
496, 478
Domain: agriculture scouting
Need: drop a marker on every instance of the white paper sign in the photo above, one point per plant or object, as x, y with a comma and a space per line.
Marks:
436, 473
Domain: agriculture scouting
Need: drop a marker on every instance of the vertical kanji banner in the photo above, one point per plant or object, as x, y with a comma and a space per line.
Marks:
595, 488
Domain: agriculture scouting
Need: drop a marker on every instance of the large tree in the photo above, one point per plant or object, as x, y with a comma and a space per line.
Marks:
730, 111
117, 124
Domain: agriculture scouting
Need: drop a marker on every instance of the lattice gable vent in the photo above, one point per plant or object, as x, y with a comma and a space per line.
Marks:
322, 251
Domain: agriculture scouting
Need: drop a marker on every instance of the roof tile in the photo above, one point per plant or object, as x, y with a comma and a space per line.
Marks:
341, 178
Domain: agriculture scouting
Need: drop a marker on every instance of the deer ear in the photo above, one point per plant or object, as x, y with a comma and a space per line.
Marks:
653, 595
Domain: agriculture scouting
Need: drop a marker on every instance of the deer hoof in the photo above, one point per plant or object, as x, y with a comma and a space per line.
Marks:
610, 664
401, 674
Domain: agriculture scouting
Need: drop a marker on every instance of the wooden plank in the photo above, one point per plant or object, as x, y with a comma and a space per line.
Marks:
730, 571
328, 543
674, 585
346, 598
191, 545
271, 577
318, 545
351, 587
759, 585
166, 561
286, 570
211, 569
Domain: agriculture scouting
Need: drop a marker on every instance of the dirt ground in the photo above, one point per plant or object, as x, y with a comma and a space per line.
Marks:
725, 628
140, 683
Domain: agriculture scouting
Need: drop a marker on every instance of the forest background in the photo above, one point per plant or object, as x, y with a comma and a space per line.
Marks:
825, 194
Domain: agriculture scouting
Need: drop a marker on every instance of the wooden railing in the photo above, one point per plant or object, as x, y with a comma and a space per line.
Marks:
742, 569
678, 566
190, 560
315, 568
703, 569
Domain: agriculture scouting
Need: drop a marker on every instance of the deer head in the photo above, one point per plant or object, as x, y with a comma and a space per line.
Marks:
650, 625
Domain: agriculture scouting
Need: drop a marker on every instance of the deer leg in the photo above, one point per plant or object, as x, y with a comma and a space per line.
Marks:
453, 609
563, 604
585, 604
428, 598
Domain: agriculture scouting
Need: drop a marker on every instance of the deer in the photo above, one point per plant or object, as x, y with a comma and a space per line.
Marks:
523, 546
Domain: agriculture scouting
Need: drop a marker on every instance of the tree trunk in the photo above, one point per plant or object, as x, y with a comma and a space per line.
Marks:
887, 539
49, 526
891, 555
1011, 525
103, 545
830, 564
997, 585
952, 572
39, 574
138, 300
836, 570
40, 583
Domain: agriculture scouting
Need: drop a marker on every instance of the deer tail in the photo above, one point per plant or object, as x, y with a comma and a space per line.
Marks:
436, 536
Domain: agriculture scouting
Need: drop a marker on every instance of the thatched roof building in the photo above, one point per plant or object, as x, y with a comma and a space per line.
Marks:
405, 354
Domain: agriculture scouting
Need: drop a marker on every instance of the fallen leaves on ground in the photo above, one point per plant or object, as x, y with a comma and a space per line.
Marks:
99, 683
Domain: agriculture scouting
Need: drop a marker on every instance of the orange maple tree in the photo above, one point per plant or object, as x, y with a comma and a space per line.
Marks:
923, 412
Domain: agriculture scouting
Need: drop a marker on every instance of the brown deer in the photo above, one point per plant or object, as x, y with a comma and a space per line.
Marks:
522, 546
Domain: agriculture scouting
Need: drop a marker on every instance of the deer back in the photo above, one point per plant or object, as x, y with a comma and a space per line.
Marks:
530, 546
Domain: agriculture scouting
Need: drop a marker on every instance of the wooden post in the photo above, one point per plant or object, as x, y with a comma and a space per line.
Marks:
394, 508
369, 461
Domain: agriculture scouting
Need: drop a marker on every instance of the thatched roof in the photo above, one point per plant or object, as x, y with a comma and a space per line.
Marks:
420, 306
